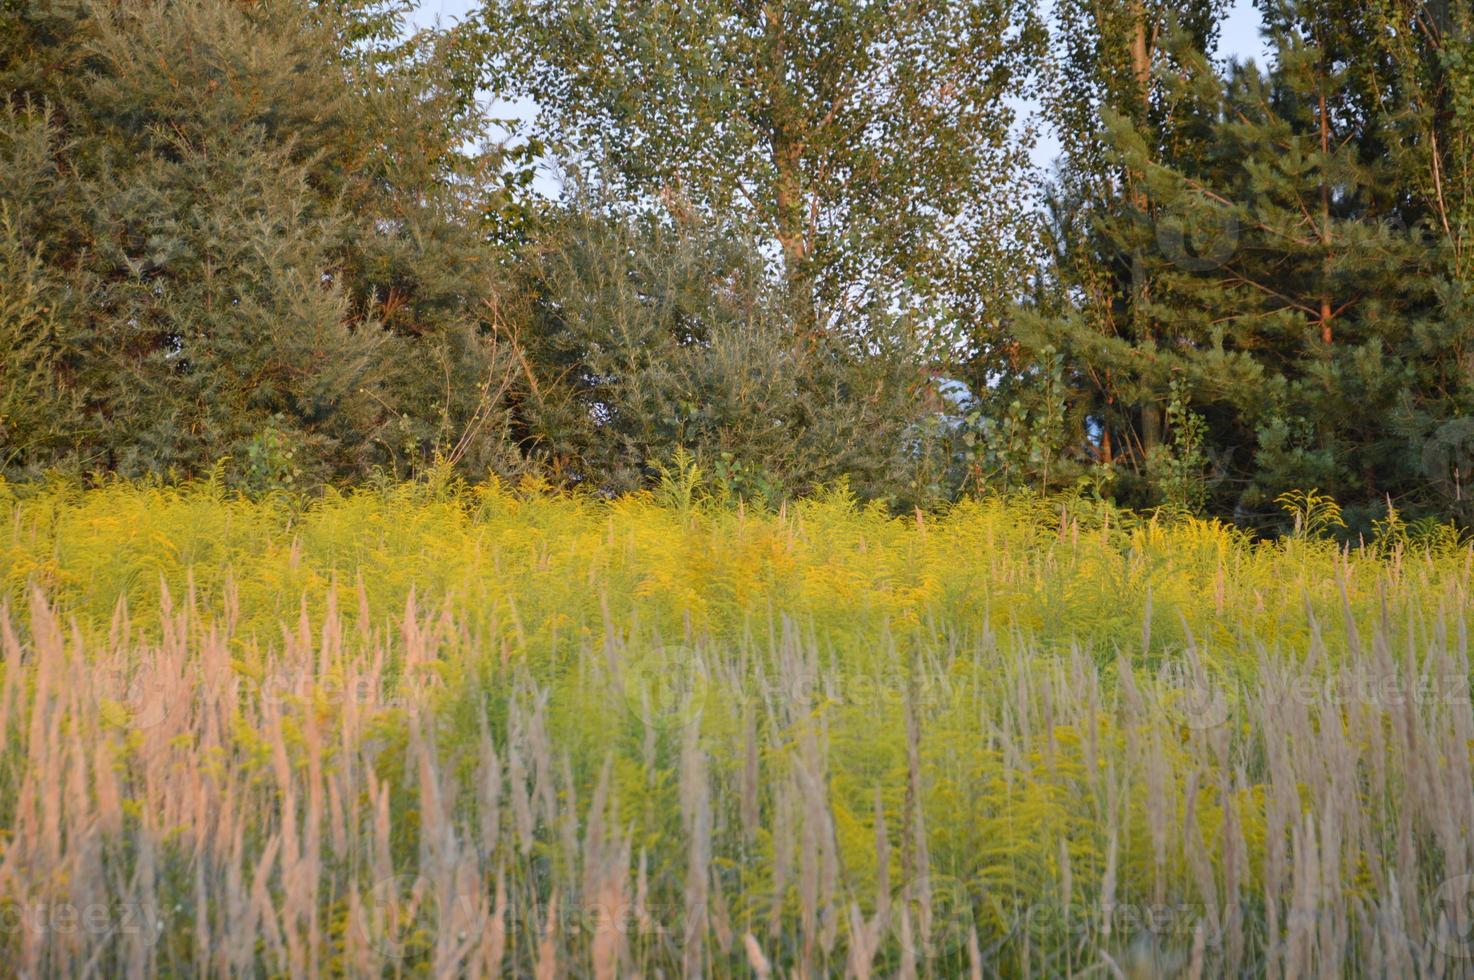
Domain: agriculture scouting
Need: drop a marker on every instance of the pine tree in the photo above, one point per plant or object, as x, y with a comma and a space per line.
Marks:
1297, 286
653, 339
270, 239
1113, 80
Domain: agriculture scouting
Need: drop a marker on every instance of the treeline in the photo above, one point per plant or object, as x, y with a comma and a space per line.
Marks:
284, 243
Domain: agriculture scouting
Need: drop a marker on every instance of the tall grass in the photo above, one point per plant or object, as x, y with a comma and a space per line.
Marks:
491, 731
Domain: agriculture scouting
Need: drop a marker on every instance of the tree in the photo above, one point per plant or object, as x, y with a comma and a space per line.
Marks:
269, 238
871, 141
1303, 305
1112, 72
651, 339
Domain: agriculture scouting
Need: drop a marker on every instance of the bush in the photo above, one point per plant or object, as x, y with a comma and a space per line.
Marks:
652, 336
240, 219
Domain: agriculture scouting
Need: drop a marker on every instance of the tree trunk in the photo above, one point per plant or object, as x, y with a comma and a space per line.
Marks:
1141, 52
1141, 43
1151, 427
792, 234
786, 142
1326, 308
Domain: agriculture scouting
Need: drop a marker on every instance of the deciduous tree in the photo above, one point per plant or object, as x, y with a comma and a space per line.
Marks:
874, 143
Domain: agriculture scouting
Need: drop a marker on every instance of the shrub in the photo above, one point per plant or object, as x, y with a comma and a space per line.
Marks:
652, 335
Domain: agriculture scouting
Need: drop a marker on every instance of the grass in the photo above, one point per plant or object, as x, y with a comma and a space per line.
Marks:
494, 731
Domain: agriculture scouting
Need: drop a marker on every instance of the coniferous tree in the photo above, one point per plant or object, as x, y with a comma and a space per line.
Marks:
39, 325
260, 235
1113, 71
1302, 297
655, 338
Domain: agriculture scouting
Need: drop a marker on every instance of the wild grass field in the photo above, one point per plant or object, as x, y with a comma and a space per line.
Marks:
494, 731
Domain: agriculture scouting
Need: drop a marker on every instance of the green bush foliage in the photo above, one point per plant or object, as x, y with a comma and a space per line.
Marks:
657, 336
224, 220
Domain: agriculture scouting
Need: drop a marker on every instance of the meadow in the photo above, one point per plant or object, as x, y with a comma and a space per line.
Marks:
438, 730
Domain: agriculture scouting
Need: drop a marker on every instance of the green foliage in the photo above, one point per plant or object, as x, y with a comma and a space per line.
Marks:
250, 218
1024, 443
36, 416
251, 233
1177, 467
735, 480
872, 144
1263, 256
651, 338
678, 483
1312, 513
250, 239
1392, 534
271, 460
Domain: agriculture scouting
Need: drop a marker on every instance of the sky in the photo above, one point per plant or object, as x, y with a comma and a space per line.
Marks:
1239, 39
